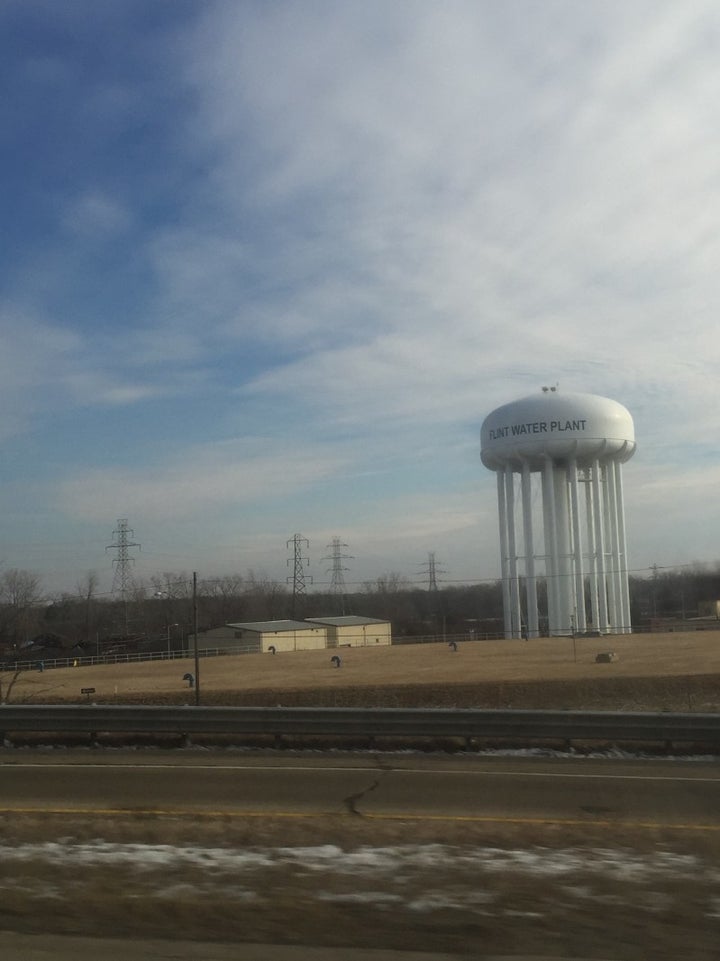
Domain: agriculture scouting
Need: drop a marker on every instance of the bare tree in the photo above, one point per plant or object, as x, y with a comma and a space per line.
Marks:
20, 597
267, 598
87, 589
6, 686
171, 584
389, 583
224, 598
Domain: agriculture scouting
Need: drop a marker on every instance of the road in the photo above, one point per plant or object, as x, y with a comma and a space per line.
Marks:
39, 948
384, 798
663, 792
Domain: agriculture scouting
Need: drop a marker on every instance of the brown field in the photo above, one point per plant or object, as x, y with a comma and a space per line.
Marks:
651, 672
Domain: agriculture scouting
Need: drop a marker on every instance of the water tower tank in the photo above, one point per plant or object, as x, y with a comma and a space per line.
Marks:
565, 451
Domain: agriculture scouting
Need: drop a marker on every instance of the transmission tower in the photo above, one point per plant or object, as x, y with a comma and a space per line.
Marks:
431, 570
298, 576
123, 580
337, 584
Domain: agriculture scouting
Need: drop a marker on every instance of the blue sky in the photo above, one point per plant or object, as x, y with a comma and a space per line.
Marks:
268, 265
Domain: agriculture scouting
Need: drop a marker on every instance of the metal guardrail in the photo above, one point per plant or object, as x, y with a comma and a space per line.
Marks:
467, 724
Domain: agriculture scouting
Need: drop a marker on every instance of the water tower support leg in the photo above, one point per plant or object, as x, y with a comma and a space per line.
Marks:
504, 566
580, 618
616, 617
563, 554
515, 615
533, 625
602, 624
622, 537
549, 531
592, 547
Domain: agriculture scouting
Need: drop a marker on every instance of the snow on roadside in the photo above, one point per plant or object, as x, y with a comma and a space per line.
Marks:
366, 861
478, 881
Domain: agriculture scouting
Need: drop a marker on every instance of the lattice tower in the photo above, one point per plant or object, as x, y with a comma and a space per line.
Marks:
298, 578
431, 570
337, 571
123, 579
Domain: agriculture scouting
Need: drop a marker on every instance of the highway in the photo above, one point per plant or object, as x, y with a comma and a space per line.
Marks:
683, 794
377, 799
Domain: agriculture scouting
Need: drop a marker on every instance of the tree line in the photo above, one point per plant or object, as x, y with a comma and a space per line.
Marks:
159, 614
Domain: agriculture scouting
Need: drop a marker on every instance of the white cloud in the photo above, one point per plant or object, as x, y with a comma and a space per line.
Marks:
469, 194
31, 352
205, 479
96, 215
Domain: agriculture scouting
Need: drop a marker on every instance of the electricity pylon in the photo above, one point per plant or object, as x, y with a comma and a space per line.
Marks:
298, 575
337, 583
123, 579
431, 570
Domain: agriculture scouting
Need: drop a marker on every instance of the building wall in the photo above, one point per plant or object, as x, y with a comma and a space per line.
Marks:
312, 639
232, 640
235, 638
360, 635
709, 608
226, 639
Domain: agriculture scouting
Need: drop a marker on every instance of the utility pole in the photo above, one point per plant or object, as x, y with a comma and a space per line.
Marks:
123, 580
337, 584
298, 575
195, 640
654, 569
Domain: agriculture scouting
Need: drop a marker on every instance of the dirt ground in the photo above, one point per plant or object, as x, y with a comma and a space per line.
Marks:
461, 890
33, 947
650, 672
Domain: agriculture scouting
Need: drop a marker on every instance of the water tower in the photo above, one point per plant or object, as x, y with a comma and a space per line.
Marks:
558, 459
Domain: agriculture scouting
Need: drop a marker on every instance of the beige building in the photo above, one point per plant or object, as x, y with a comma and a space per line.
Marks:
226, 640
277, 636
354, 631
709, 608
313, 634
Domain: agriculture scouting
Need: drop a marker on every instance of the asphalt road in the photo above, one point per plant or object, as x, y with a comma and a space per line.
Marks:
43, 948
531, 790
582, 790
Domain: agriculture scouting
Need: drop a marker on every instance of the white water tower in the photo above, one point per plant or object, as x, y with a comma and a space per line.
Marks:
558, 459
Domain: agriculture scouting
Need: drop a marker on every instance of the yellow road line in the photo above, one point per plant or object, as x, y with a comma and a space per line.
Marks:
298, 815
573, 822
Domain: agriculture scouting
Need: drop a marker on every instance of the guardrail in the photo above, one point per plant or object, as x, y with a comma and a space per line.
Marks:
467, 724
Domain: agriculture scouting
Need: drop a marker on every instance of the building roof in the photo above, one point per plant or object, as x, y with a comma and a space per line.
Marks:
273, 627
347, 620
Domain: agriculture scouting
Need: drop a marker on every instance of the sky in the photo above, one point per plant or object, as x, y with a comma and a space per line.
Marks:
269, 264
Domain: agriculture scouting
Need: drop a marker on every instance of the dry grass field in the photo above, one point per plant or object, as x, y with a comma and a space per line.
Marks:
650, 672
